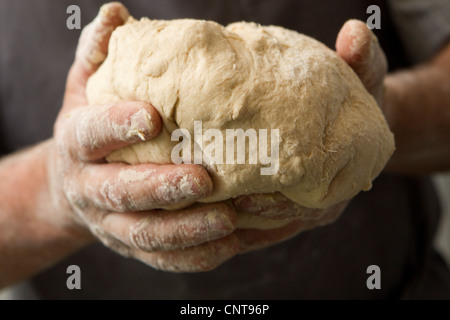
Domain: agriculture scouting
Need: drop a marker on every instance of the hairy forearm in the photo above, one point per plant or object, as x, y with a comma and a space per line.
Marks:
418, 110
33, 233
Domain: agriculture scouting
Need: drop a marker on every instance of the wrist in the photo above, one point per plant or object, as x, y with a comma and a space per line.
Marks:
34, 233
416, 105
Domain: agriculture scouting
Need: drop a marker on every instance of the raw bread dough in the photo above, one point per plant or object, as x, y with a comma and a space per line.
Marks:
334, 139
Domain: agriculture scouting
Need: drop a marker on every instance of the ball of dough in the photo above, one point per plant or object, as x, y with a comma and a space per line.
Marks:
333, 138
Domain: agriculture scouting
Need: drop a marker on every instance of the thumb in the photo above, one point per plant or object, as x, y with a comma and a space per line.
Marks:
359, 47
91, 51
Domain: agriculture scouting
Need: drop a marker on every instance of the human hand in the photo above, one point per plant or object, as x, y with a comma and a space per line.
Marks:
116, 202
276, 206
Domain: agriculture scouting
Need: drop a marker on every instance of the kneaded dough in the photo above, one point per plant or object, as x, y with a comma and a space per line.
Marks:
334, 139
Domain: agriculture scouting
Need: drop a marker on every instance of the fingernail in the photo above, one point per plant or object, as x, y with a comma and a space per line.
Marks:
218, 223
141, 125
107, 12
242, 202
195, 187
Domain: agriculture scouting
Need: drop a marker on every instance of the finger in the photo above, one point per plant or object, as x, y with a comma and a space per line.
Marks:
119, 187
251, 239
93, 44
171, 230
96, 131
359, 47
195, 259
274, 206
91, 51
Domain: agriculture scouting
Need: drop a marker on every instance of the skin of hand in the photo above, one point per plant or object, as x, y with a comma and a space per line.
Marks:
109, 195
120, 203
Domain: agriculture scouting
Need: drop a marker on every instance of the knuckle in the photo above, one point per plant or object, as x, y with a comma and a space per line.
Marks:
152, 234
73, 135
73, 195
111, 196
87, 129
143, 240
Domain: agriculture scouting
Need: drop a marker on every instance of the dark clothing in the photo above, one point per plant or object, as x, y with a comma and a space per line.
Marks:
391, 226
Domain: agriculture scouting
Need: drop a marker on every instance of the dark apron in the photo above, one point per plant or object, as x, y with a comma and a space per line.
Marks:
391, 226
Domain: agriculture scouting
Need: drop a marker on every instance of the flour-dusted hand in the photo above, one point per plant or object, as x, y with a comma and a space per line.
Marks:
276, 207
119, 203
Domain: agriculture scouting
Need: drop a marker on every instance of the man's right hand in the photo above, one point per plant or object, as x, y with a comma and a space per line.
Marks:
119, 203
